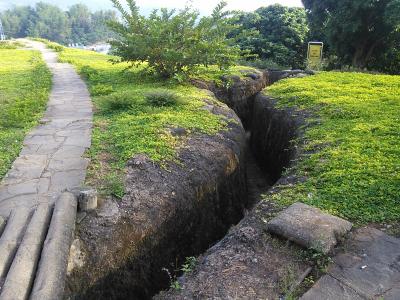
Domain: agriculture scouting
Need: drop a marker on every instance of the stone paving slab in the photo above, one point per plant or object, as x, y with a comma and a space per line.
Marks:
51, 159
367, 268
329, 288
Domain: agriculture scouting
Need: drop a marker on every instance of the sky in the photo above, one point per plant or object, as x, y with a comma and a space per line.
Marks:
205, 6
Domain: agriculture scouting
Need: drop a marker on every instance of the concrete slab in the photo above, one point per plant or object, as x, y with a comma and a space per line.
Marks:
367, 268
309, 227
328, 288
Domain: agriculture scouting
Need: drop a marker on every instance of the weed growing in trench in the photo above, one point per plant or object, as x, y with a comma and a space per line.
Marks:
174, 283
190, 263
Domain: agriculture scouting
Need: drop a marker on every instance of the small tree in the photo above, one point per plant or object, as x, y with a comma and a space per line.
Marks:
173, 41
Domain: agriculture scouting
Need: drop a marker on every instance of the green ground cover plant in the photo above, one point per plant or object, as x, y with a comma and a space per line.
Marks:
25, 84
10, 44
135, 115
351, 153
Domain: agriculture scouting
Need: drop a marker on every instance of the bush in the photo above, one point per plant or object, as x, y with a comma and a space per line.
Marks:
101, 90
161, 98
89, 73
116, 102
8, 45
174, 42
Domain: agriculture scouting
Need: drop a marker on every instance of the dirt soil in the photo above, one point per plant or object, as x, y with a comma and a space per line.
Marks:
167, 214
249, 263
181, 209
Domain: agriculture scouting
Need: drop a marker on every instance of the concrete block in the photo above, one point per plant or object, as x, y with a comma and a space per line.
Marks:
309, 227
87, 199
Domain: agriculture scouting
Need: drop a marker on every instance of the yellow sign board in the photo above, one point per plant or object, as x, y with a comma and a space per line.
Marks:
314, 55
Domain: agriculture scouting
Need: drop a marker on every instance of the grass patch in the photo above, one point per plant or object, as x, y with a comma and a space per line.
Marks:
134, 113
10, 45
162, 98
25, 83
352, 160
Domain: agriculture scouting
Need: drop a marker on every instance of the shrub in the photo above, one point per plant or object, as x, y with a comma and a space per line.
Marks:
174, 42
56, 47
101, 90
161, 98
116, 102
7, 45
89, 72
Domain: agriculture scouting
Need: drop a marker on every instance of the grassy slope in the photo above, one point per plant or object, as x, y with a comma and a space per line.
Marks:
354, 168
140, 129
24, 89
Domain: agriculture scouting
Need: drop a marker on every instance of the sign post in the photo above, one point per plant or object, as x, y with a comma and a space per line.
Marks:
314, 54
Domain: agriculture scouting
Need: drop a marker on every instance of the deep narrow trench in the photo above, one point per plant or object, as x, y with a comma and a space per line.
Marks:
268, 133
258, 181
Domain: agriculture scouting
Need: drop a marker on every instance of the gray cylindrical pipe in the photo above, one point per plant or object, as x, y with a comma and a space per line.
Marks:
50, 277
11, 237
22, 271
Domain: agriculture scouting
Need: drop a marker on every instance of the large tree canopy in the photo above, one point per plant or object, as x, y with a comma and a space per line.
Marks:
357, 30
50, 23
78, 25
279, 34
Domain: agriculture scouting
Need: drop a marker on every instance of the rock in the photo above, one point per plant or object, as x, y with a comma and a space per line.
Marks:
230, 78
2, 224
253, 76
87, 199
309, 227
80, 216
276, 75
76, 257
178, 131
109, 210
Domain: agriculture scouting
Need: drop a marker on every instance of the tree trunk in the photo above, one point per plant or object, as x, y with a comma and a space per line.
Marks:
358, 57
363, 54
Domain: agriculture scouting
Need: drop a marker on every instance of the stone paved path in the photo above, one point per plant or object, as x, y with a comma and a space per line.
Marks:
51, 160
367, 268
